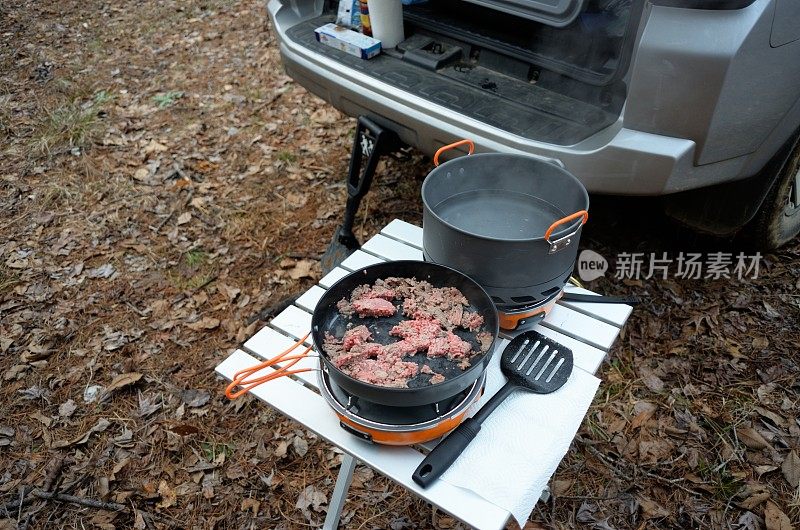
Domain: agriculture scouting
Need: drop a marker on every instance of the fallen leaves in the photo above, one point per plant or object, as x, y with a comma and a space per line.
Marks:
304, 268
101, 425
204, 323
311, 498
168, 496
106, 270
67, 409
791, 469
195, 398
775, 519
751, 438
6, 435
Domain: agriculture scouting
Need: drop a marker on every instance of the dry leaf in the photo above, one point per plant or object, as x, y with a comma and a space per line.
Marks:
141, 174
310, 497
168, 496
754, 500
302, 269
300, 445
204, 323
651, 509
751, 438
195, 398
250, 504
280, 451
650, 379
101, 425
562, 487
791, 469
184, 218
775, 519
67, 409
123, 380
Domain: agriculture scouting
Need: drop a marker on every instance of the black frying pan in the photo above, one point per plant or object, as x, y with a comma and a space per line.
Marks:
327, 319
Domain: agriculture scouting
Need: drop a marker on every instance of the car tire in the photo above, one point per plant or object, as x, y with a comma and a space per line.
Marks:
778, 219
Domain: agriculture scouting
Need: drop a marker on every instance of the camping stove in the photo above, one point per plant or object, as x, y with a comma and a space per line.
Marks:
389, 425
524, 316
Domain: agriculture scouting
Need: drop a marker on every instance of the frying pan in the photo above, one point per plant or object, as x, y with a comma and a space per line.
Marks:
327, 319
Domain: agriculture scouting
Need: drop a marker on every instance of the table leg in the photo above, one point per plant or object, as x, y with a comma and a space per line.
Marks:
340, 492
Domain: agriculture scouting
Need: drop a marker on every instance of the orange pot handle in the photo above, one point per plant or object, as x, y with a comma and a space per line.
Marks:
240, 378
459, 143
567, 219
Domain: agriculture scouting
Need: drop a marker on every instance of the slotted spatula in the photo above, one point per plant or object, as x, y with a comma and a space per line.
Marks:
531, 362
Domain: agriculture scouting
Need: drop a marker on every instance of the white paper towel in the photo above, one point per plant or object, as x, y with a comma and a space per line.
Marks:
522, 442
386, 19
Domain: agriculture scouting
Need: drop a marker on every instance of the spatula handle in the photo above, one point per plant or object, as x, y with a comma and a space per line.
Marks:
444, 454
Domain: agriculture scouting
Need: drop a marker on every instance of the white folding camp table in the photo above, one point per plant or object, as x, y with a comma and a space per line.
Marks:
589, 329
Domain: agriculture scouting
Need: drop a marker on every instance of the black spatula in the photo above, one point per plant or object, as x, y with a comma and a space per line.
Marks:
531, 362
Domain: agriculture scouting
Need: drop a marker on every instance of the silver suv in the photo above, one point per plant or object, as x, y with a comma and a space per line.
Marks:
694, 100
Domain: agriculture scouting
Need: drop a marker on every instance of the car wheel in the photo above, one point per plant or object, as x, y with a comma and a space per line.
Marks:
778, 220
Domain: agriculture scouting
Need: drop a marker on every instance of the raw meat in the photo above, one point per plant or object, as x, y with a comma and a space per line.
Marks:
471, 321
355, 336
419, 333
433, 315
437, 378
450, 346
374, 307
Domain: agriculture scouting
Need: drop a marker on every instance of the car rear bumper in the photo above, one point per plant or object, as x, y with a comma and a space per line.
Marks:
616, 160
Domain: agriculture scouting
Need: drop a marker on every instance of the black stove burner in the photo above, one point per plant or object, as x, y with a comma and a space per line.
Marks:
393, 415
524, 308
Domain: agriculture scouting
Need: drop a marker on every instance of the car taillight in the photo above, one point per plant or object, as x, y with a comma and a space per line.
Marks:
705, 4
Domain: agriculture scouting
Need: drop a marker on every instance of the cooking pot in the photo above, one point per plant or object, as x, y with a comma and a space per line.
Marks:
510, 222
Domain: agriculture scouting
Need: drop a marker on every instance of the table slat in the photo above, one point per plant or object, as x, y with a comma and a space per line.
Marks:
309, 299
359, 260
405, 232
334, 276
293, 321
391, 249
614, 314
398, 463
581, 327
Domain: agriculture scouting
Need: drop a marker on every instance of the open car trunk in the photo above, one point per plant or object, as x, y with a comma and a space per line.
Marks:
555, 82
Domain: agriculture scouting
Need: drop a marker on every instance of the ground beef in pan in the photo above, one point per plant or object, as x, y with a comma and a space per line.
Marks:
420, 333
434, 313
471, 321
437, 378
450, 346
355, 336
485, 340
374, 307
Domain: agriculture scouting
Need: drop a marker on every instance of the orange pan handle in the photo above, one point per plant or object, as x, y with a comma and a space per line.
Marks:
459, 143
241, 378
567, 219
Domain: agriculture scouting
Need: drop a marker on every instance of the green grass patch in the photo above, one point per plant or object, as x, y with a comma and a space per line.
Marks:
72, 125
167, 99
195, 257
8, 279
286, 156
211, 450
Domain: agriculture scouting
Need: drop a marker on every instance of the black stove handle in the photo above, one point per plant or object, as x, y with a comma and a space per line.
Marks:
367, 437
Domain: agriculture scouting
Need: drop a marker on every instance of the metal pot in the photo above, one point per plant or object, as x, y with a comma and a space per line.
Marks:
510, 222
